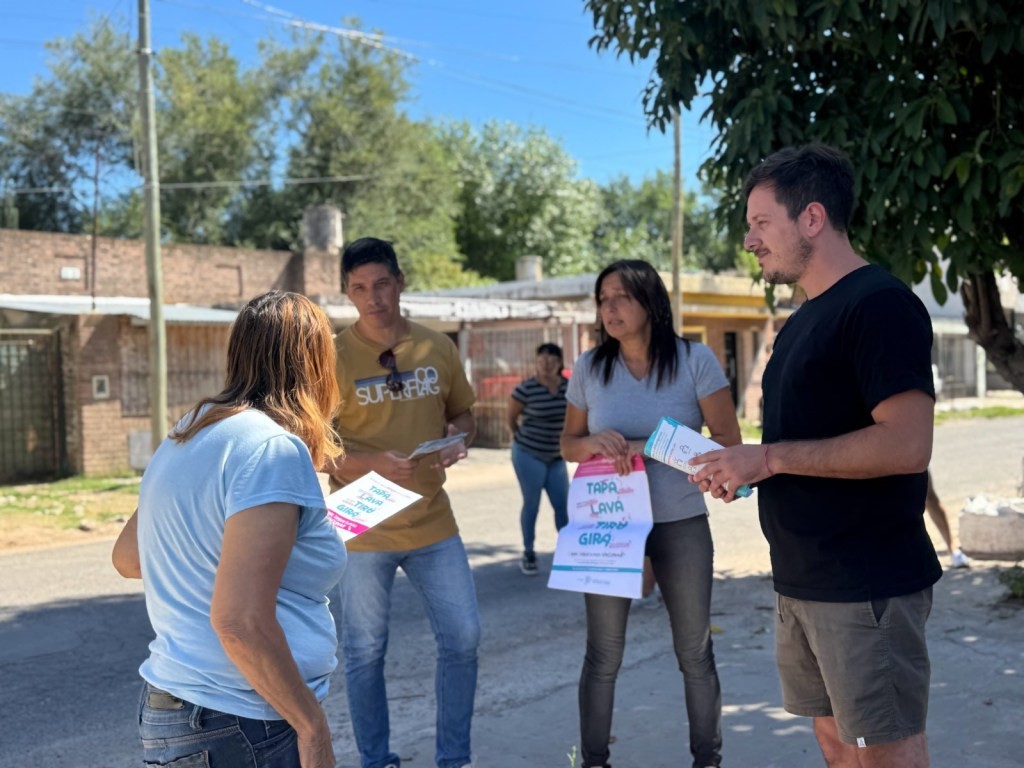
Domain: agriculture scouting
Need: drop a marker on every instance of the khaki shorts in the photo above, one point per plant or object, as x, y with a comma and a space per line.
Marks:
866, 664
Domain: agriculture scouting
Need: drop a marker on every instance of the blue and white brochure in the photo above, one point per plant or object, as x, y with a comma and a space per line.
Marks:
676, 444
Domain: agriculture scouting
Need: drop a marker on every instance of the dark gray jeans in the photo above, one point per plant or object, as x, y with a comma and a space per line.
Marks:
681, 554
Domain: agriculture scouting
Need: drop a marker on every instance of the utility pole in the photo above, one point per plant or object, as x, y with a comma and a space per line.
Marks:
677, 228
95, 226
154, 270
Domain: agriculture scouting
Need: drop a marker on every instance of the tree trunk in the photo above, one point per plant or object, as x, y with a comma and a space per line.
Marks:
987, 326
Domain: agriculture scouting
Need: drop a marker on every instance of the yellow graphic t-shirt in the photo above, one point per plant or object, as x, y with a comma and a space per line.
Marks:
374, 419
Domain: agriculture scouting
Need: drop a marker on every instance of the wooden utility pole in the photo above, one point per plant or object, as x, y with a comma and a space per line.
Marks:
154, 270
677, 228
95, 227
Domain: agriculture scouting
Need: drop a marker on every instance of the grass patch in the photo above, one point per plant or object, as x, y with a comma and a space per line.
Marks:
750, 431
1013, 579
987, 412
66, 503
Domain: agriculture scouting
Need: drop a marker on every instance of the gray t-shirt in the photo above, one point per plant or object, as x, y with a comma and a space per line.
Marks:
633, 408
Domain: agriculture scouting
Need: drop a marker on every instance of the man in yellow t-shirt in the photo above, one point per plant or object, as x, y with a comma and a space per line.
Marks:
402, 384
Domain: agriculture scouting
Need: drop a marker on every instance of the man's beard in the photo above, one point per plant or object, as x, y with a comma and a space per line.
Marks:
783, 276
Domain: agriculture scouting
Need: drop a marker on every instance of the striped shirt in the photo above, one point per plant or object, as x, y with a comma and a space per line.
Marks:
540, 426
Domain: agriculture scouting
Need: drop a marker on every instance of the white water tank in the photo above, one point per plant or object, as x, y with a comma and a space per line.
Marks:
321, 228
530, 268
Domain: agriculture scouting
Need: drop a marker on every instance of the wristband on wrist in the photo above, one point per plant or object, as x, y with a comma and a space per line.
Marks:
766, 465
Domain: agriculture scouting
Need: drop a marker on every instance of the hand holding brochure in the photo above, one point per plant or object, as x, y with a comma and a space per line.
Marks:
676, 444
365, 502
432, 446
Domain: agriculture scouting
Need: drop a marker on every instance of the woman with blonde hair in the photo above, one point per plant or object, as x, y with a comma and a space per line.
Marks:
237, 556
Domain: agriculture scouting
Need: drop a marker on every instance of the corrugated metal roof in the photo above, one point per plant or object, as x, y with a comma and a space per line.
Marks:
131, 306
456, 308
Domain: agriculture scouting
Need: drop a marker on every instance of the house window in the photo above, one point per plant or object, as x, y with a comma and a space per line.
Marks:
101, 387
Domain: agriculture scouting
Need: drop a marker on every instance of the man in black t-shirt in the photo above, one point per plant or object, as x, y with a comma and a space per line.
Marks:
848, 409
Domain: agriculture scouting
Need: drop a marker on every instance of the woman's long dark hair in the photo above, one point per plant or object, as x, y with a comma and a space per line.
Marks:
644, 284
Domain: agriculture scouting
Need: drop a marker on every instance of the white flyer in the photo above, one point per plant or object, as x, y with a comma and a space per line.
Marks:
676, 444
601, 550
365, 502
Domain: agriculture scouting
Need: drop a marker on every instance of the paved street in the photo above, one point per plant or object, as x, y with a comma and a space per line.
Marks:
72, 635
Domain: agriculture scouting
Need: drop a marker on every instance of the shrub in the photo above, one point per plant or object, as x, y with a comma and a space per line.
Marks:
1013, 579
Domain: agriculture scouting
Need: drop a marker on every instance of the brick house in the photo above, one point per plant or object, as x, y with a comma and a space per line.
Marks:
74, 381
74, 341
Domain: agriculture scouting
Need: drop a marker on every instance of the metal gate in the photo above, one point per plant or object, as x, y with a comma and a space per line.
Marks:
501, 358
31, 412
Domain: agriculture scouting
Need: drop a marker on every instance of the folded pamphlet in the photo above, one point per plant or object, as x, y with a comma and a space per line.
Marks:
676, 444
366, 502
432, 446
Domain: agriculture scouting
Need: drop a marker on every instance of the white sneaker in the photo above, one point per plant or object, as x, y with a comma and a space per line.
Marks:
959, 560
653, 600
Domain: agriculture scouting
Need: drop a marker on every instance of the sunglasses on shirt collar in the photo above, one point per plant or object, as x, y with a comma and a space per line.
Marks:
393, 381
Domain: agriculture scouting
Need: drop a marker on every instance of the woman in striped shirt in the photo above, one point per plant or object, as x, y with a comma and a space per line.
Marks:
536, 414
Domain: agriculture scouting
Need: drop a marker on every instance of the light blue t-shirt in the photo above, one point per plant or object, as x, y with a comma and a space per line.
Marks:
187, 493
633, 407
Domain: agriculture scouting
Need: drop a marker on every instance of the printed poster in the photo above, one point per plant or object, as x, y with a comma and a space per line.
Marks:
601, 550
365, 502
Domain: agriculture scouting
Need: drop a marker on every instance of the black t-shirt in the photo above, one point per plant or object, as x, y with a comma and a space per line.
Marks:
865, 339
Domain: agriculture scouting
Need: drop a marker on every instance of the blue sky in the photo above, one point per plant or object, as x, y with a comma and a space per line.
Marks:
526, 62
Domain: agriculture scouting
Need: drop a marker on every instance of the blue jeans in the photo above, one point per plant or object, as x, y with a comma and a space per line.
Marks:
440, 573
536, 475
175, 732
681, 554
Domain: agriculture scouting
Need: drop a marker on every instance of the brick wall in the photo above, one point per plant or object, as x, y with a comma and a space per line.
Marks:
49, 263
95, 424
97, 427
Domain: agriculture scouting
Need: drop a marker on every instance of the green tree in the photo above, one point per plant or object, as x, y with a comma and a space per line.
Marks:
73, 129
637, 224
519, 195
386, 172
924, 95
210, 117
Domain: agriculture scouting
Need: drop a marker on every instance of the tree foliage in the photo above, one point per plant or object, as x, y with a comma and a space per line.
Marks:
325, 113
519, 195
73, 122
637, 224
323, 117
343, 108
924, 95
209, 118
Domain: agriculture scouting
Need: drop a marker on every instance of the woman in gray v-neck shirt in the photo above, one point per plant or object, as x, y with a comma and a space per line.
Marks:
640, 371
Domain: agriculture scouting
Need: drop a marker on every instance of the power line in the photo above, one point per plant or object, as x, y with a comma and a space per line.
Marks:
174, 185
475, 11
383, 42
557, 101
266, 182
376, 41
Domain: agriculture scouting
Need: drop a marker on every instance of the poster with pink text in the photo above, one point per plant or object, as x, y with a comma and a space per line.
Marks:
601, 550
